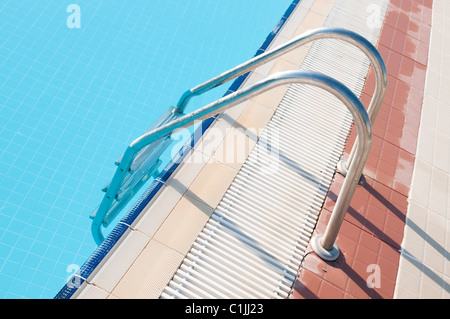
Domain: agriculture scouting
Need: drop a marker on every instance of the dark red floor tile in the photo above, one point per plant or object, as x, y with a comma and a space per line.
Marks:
403, 21
419, 76
390, 90
390, 21
393, 62
366, 268
422, 53
406, 71
375, 208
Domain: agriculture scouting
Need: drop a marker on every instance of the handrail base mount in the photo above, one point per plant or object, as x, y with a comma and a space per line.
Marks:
328, 255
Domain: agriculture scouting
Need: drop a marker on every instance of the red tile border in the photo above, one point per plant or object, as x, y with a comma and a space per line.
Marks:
372, 231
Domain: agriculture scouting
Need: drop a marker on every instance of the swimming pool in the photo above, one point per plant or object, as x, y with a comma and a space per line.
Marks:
73, 98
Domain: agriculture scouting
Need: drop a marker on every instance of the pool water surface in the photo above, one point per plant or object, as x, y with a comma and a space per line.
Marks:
75, 90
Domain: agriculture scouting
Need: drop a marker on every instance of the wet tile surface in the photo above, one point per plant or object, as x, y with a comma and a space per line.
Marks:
372, 233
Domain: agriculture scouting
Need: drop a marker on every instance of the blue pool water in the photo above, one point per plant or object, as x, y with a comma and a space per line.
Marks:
72, 99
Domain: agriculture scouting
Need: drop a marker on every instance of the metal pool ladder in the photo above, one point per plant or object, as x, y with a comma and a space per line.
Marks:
141, 158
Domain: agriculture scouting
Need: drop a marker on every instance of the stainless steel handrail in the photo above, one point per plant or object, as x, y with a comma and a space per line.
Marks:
323, 33
325, 82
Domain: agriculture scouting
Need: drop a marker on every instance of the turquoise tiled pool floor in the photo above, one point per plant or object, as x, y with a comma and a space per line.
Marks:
72, 99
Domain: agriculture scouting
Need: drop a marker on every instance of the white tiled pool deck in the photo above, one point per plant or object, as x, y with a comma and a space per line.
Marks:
424, 270
146, 257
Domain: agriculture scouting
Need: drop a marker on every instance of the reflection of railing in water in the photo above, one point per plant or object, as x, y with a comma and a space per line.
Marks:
145, 165
175, 120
